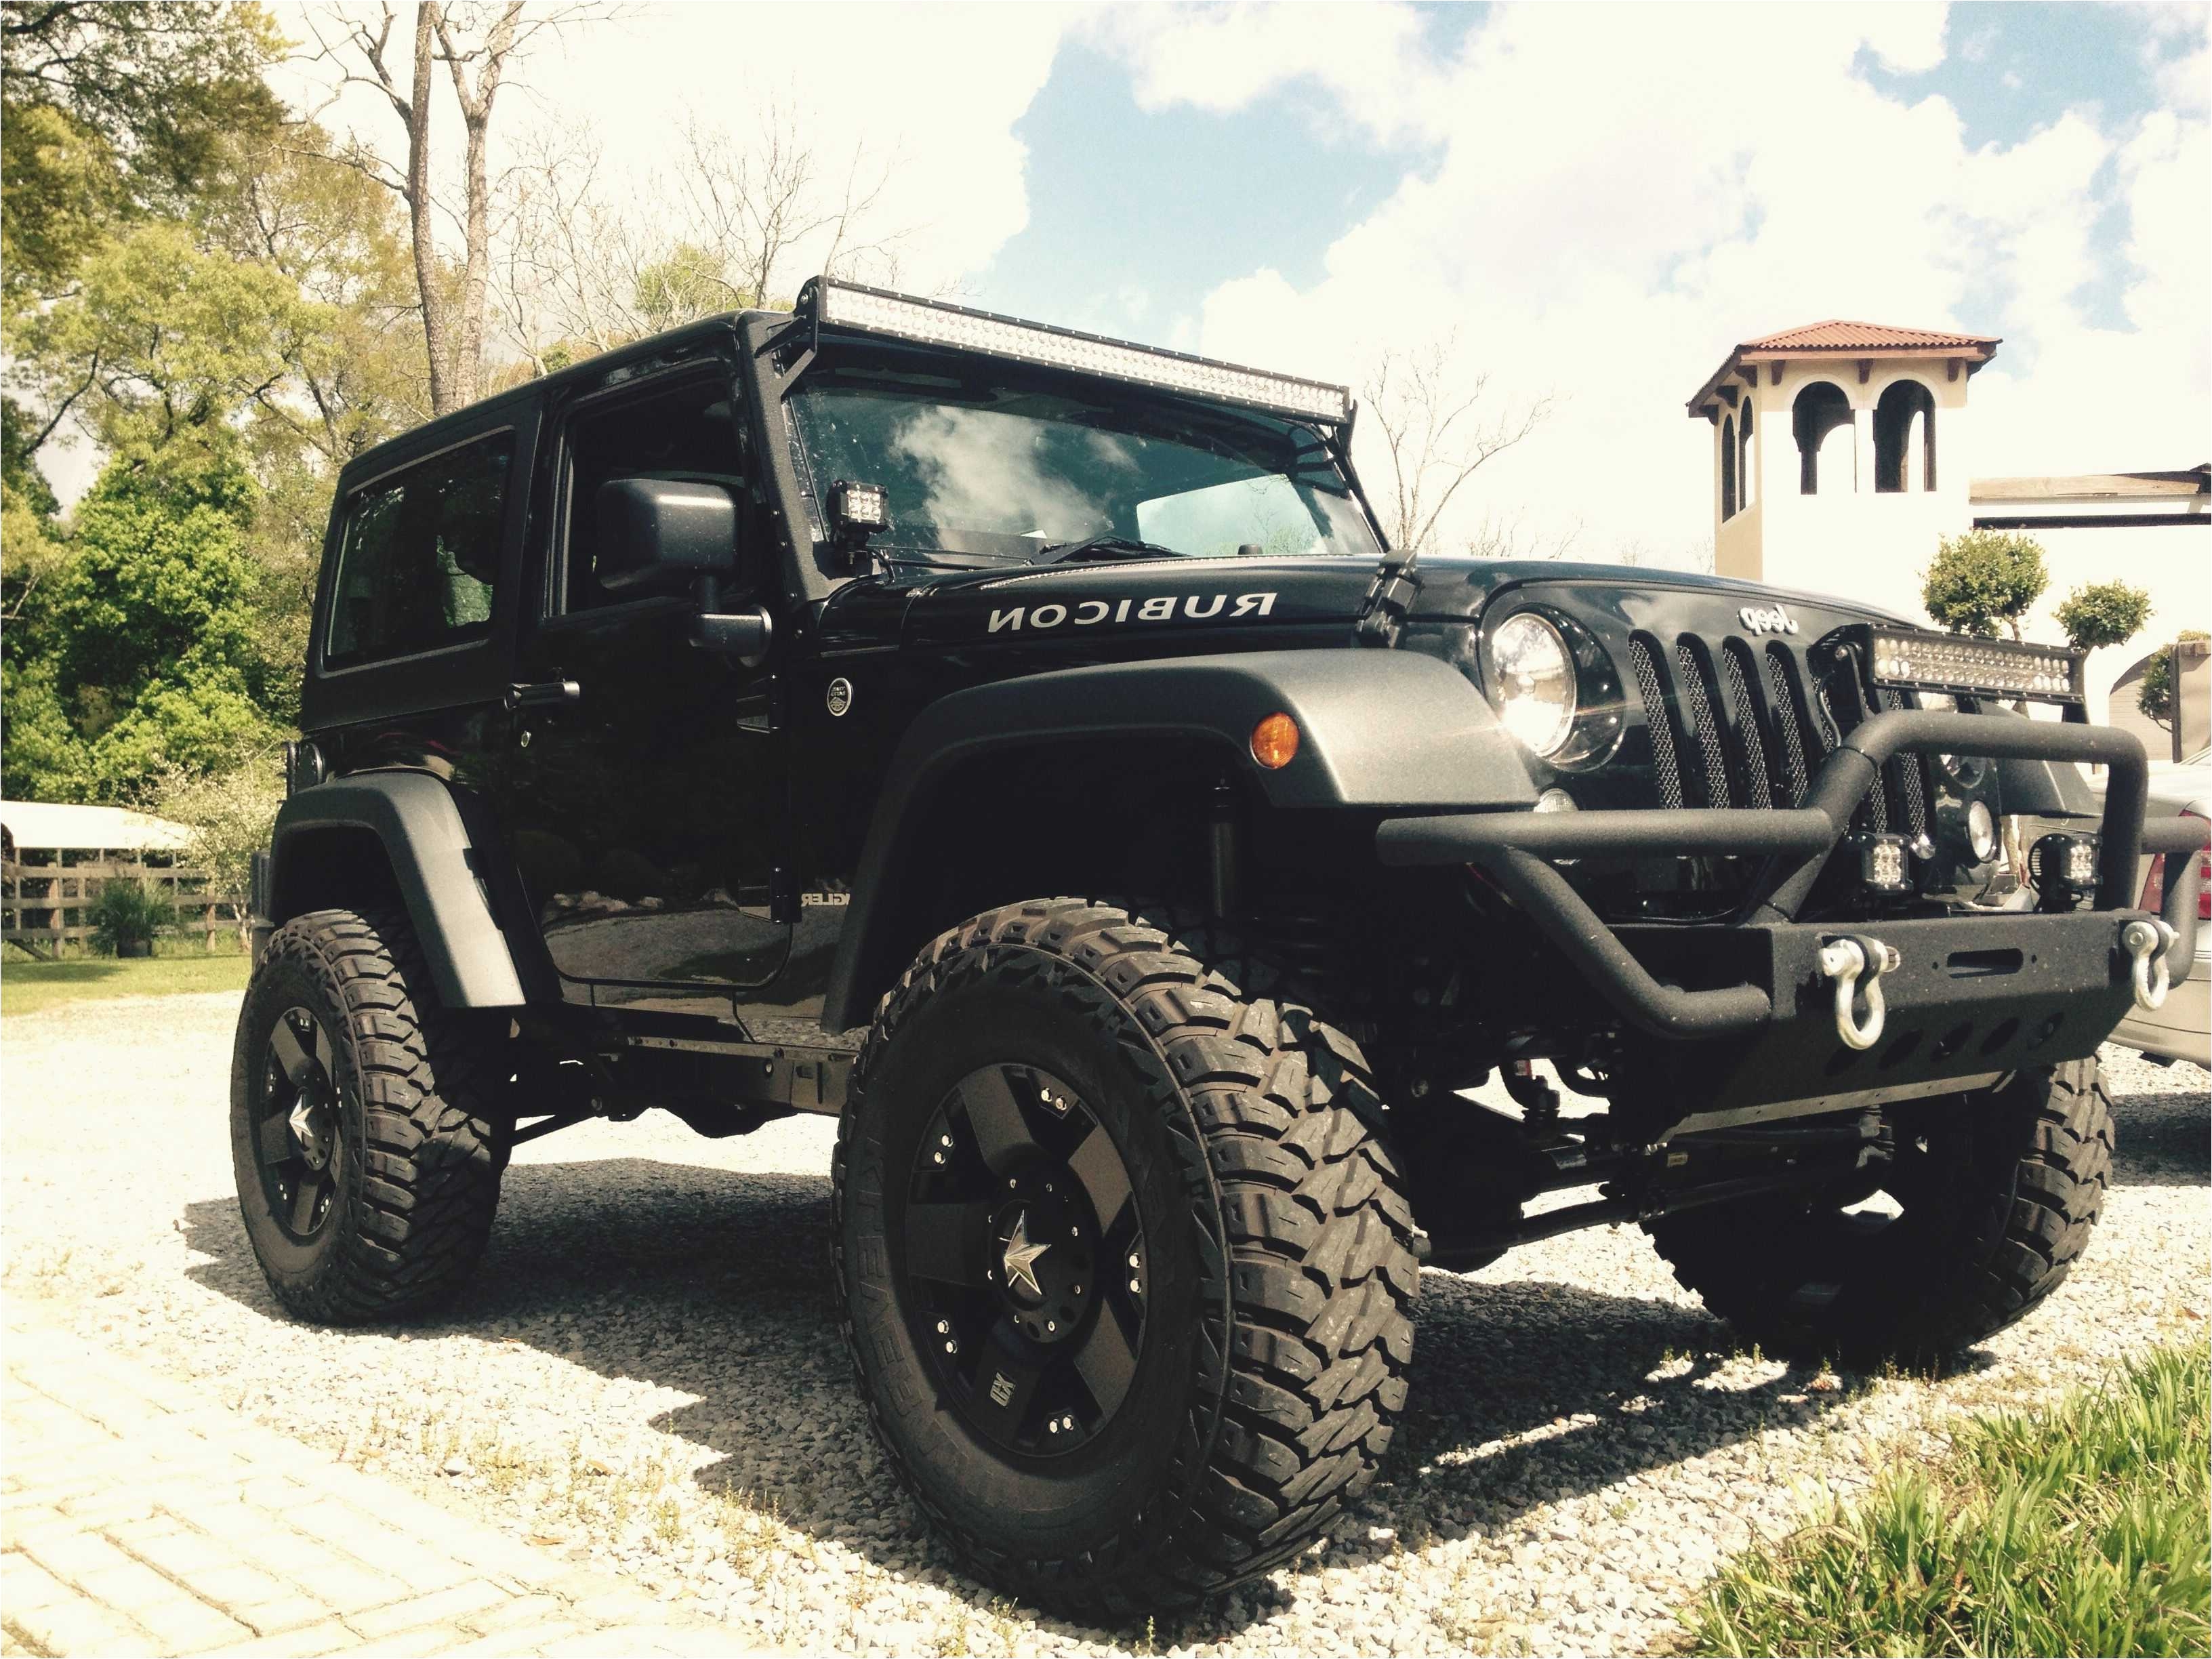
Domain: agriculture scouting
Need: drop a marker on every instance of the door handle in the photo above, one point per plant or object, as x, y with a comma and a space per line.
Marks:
545, 694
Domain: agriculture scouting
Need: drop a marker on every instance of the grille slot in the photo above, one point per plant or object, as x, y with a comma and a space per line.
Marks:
1658, 722
1755, 774
1908, 776
1787, 721
1701, 714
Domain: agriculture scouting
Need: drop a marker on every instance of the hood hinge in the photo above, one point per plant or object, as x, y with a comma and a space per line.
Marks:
1382, 613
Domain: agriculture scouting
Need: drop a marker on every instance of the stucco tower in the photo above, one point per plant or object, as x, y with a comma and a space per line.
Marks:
1839, 454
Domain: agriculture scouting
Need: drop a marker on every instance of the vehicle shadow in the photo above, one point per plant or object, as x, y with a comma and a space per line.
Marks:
716, 1284
2162, 1140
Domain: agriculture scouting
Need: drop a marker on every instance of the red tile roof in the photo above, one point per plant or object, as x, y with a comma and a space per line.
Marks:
1845, 339
1836, 335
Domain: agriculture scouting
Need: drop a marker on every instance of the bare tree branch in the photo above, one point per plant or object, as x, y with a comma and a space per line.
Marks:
1438, 434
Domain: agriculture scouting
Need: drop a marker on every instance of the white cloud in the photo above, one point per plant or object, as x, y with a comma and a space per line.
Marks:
1614, 207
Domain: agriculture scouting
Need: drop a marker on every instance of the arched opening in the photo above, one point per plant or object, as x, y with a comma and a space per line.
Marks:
1728, 468
1820, 409
1904, 438
1743, 489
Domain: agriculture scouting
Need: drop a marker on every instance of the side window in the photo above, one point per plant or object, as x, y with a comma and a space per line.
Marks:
420, 556
688, 433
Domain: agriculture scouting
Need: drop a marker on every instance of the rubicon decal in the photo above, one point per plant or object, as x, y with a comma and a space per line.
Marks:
1167, 607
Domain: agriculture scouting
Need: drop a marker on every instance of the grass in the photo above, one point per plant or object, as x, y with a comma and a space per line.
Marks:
33, 988
2080, 1529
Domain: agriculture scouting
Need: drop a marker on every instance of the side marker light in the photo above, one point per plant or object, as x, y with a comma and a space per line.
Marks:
1275, 742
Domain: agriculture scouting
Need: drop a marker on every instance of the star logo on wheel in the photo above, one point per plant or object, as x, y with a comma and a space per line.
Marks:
1021, 1258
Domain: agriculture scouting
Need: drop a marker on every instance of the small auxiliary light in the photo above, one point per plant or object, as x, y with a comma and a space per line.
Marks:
1275, 742
2063, 867
1882, 863
1555, 801
857, 511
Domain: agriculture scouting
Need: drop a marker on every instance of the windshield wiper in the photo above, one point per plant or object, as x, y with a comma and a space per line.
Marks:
1122, 546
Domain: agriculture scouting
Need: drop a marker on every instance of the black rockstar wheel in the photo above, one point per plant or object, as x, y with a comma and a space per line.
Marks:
1023, 1260
1126, 1270
365, 1127
295, 1125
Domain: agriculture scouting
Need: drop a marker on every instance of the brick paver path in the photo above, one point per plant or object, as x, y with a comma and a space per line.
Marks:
143, 1517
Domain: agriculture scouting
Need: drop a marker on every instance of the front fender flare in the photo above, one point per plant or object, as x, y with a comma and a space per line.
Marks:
1378, 729
417, 820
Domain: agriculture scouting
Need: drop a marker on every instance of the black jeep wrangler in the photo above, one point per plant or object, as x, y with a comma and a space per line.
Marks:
1025, 746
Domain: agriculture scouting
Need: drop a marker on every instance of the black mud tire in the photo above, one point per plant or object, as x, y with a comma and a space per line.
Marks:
1274, 1361
420, 1142
2008, 1183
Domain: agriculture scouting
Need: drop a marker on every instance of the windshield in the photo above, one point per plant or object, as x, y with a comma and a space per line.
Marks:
996, 468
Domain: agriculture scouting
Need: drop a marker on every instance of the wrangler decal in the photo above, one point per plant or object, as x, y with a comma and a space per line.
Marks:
1161, 608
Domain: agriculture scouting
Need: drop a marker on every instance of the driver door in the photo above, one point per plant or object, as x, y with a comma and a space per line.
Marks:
647, 806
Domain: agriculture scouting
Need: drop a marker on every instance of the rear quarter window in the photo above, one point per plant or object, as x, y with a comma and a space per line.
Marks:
420, 558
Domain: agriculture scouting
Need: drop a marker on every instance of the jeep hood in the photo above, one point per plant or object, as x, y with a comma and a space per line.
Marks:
1215, 598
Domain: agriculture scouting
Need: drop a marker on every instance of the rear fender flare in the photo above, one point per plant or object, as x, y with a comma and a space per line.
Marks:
416, 818
1377, 729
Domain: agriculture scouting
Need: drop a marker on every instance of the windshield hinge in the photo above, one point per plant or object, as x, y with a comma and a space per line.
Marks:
1382, 612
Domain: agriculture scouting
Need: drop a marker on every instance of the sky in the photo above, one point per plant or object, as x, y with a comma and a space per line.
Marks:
1585, 203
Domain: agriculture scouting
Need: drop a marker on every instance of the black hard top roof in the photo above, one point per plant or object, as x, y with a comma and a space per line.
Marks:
674, 343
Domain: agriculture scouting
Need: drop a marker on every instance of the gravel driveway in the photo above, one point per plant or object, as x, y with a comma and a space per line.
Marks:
647, 1369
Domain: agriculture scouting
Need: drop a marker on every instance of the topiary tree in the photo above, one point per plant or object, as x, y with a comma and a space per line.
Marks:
2104, 613
2154, 692
1983, 578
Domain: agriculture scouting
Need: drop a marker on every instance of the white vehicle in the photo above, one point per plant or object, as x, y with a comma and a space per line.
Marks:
2182, 1028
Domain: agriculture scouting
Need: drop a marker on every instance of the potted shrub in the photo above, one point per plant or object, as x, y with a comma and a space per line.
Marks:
125, 917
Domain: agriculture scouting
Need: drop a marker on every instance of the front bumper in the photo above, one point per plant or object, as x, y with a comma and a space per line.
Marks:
1968, 995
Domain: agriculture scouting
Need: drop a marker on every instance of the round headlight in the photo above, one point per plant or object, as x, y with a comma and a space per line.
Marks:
1536, 688
1981, 833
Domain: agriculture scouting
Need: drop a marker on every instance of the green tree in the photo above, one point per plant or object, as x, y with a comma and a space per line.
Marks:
1983, 578
229, 813
2154, 692
108, 110
2104, 613
147, 658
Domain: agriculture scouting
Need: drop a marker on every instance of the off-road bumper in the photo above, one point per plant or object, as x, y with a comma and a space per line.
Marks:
1964, 995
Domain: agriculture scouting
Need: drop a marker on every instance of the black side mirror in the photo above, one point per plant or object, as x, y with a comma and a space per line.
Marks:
660, 535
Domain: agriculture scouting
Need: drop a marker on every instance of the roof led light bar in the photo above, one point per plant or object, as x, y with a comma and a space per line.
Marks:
1907, 658
932, 322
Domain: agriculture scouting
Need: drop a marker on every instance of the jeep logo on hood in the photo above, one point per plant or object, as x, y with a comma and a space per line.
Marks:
1166, 607
1777, 621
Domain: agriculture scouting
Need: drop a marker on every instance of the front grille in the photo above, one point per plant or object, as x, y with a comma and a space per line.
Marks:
1730, 729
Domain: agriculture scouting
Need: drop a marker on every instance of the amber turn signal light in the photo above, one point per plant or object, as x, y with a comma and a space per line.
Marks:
1275, 742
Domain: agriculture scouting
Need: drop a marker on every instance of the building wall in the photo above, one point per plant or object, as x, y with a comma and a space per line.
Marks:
1848, 540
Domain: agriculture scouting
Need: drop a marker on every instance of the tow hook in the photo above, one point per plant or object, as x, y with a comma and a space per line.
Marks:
1857, 965
2147, 941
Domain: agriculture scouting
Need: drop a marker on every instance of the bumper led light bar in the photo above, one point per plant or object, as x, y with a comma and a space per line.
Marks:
1911, 659
932, 322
